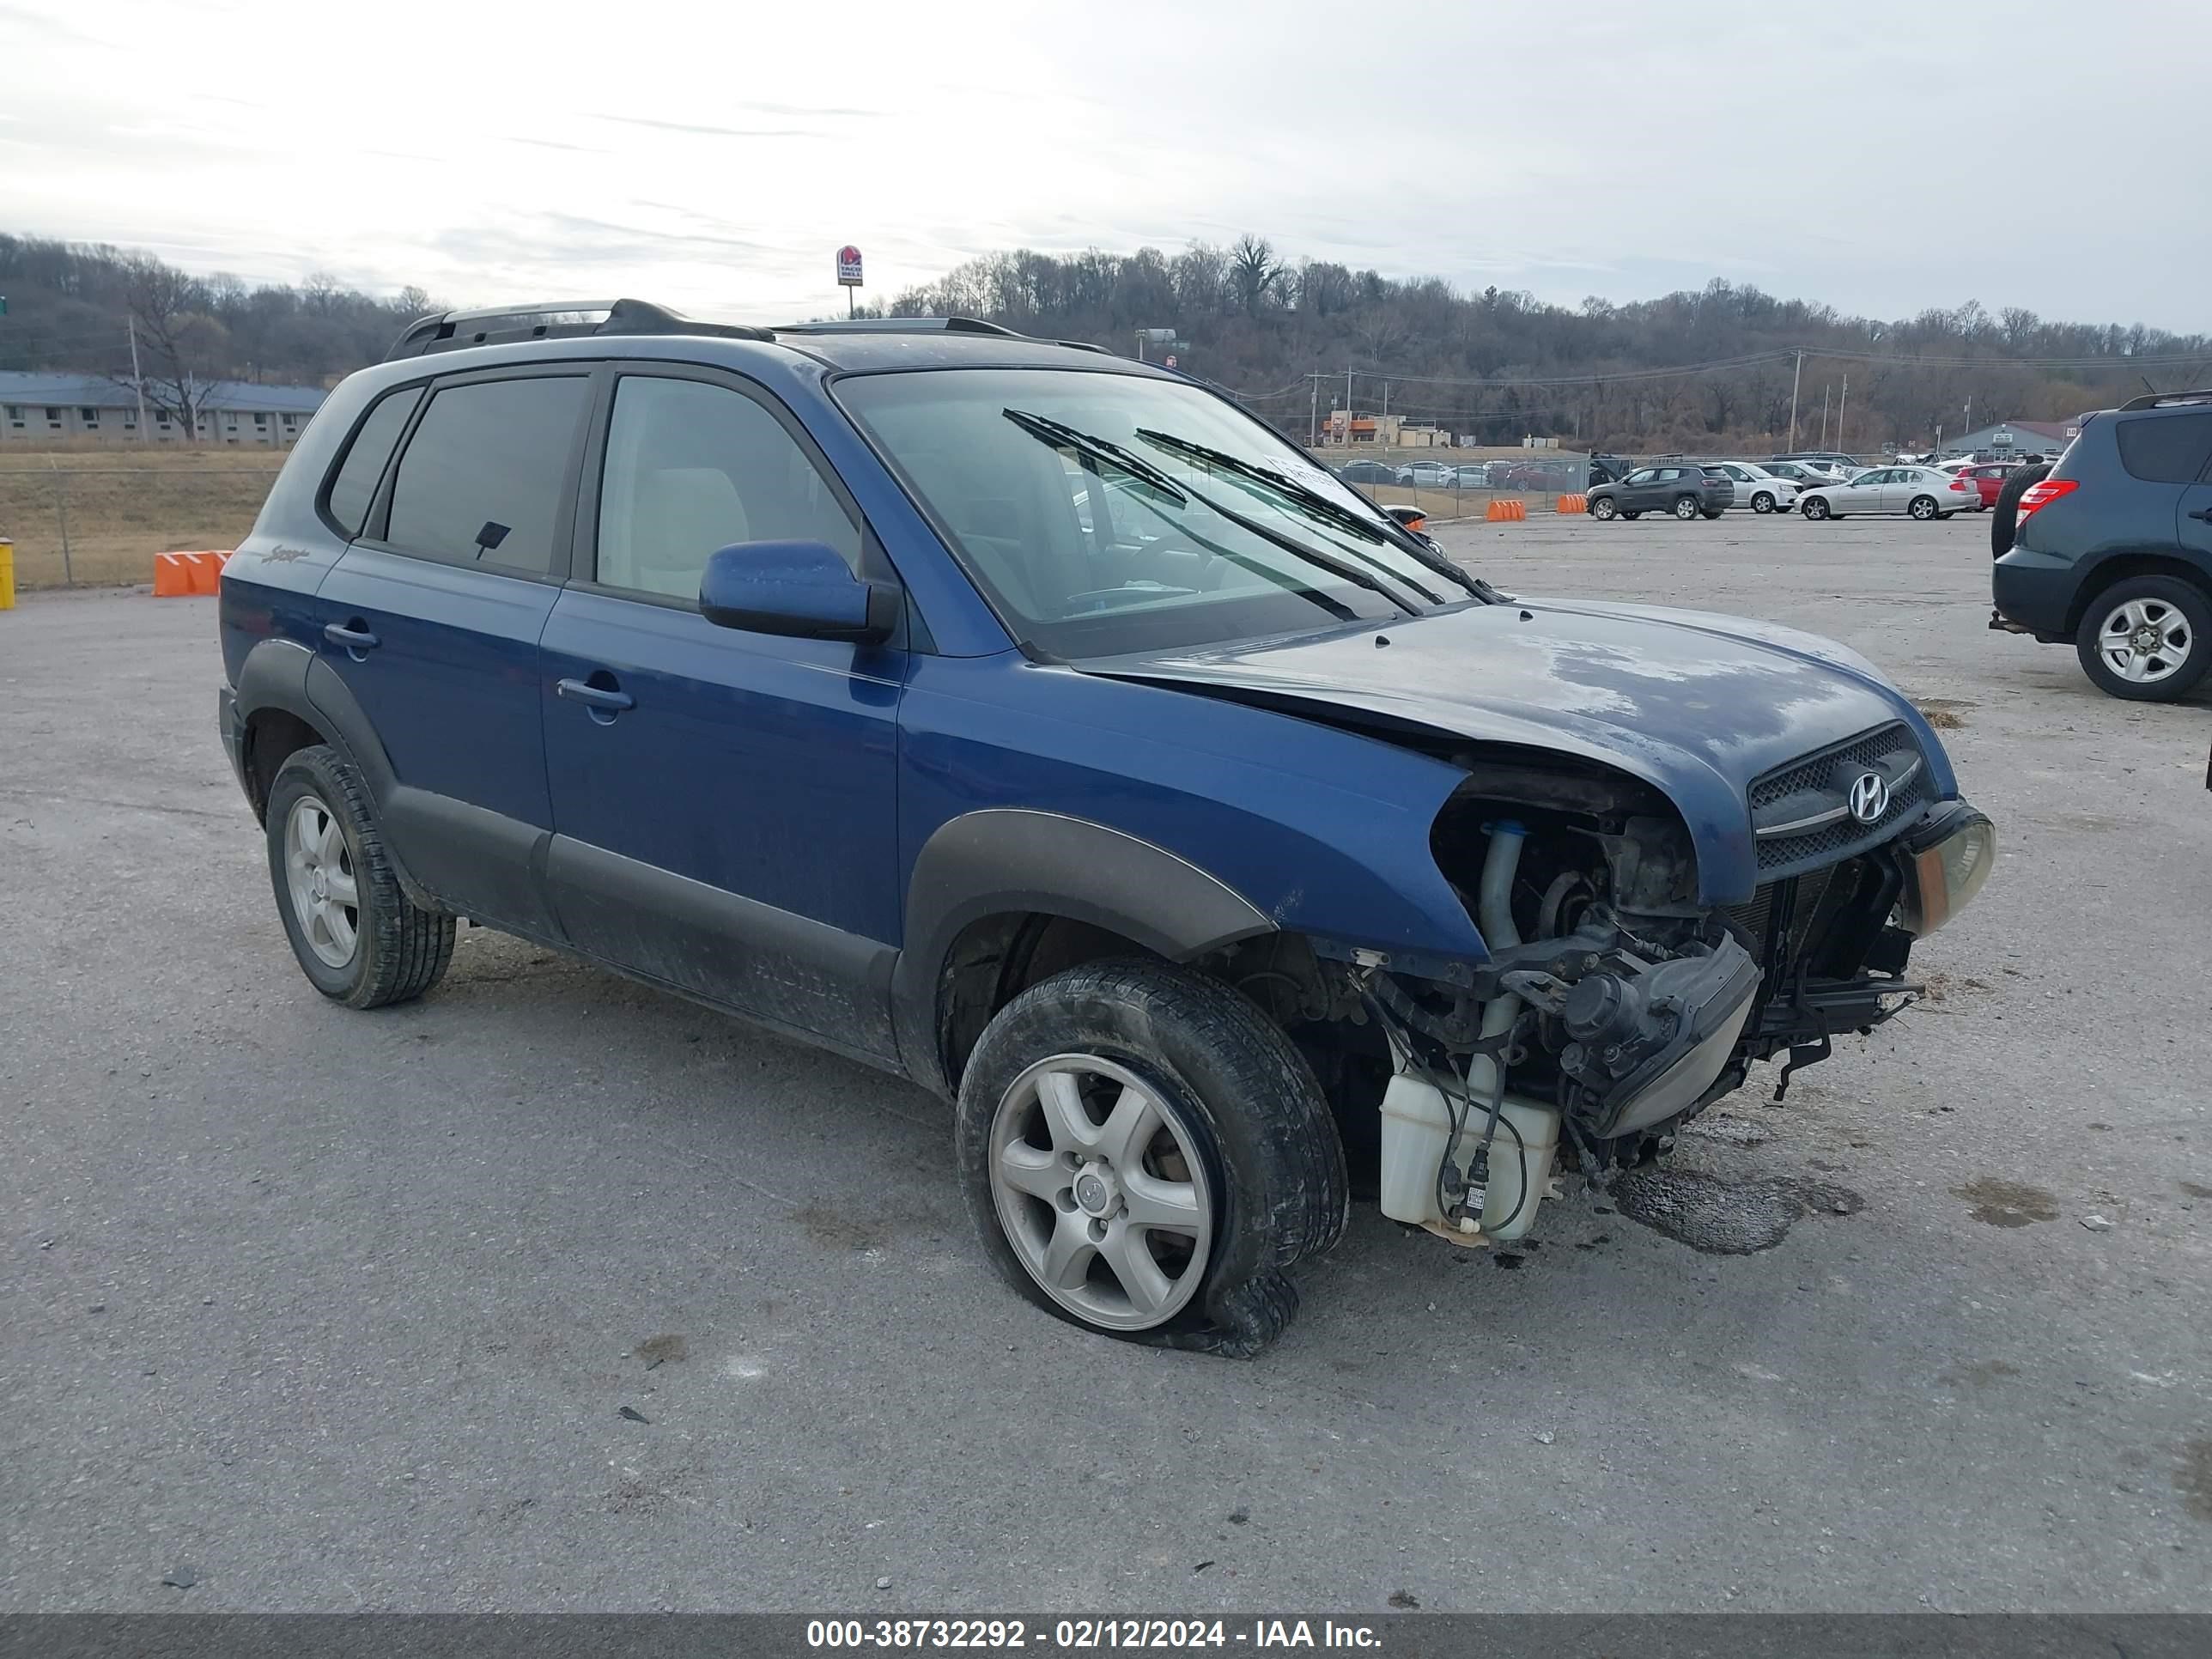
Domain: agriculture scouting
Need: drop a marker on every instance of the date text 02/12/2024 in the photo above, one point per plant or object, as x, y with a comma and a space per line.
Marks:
1082, 1635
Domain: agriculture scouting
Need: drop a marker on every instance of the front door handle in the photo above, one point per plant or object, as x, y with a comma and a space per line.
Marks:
595, 696
2204, 513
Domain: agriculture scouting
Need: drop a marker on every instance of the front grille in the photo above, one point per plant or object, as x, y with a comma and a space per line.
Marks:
1826, 777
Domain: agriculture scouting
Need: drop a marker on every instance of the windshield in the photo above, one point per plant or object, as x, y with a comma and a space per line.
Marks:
1104, 512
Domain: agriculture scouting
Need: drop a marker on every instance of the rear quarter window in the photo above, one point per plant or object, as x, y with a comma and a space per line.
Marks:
2166, 448
353, 486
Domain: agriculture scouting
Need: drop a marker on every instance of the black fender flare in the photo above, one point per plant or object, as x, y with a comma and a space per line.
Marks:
280, 673
285, 674
997, 859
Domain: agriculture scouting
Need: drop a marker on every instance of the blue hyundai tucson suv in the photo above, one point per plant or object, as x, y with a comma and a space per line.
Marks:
1040, 726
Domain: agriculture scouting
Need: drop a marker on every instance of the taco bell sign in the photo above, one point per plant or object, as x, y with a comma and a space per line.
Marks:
848, 267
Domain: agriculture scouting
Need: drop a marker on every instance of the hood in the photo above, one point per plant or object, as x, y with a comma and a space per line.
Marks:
1697, 705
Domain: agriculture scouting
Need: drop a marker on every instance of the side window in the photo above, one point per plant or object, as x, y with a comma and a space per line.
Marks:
480, 481
692, 468
353, 486
1643, 475
2166, 448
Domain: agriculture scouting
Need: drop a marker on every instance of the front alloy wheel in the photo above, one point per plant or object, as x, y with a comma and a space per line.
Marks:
1102, 1194
1762, 502
1815, 506
1603, 507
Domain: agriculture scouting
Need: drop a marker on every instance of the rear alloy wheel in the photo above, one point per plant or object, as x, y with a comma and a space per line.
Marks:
1762, 502
2144, 638
1685, 507
1636, 514
1923, 508
356, 935
1603, 507
1144, 1153
1815, 506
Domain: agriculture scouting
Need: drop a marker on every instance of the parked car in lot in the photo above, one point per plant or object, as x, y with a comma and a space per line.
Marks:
1922, 492
1471, 477
1367, 472
1681, 487
779, 669
1756, 488
1988, 477
1833, 461
1427, 474
1800, 473
2113, 550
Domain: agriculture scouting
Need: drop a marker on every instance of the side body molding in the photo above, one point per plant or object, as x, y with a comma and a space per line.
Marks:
1015, 859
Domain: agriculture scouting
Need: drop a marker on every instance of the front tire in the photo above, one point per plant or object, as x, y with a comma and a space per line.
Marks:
1604, 508
2146, 638
1762, 502
1144, 1154
357, 936
1817, 507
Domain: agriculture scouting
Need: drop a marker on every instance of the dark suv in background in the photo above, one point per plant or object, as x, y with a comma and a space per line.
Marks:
2113, 549
1681, 487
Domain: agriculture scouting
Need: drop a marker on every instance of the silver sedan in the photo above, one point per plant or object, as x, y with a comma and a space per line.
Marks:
1924, 492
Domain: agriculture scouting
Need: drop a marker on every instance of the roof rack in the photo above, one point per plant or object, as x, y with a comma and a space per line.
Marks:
901, 325
2160, 399
451, 331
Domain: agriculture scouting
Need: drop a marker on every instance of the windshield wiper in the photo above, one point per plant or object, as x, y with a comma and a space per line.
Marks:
1057, 434
1061, 435
1314, 501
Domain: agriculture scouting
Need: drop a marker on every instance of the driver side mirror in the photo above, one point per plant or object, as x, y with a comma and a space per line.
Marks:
797, 590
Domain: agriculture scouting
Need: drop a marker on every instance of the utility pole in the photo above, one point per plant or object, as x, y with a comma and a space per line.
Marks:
1797, 375
1347, 409
1824, 417
1313, 412
137, 379
1843, 402
1970, 412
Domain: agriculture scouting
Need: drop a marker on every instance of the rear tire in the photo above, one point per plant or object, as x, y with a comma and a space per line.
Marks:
357, 936
1713, 513
1636, 514
1685, 507
1233, 1147
2125, 618
1923, 508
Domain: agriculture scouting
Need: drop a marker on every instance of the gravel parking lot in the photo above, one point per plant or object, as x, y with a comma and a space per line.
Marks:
340, 1311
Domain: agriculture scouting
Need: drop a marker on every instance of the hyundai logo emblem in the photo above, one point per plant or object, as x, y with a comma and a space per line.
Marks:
1870, 796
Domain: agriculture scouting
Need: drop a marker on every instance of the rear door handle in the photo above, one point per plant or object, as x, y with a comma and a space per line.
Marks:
595, 696
2204, 513
353, 635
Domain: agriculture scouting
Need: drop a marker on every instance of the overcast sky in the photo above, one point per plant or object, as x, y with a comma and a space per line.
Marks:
1881, 159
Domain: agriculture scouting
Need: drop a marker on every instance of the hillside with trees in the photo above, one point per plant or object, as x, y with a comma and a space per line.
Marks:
72, 306
1499, 364
1710, 369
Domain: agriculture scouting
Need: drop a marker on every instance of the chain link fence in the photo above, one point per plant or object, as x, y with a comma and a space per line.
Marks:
84, 519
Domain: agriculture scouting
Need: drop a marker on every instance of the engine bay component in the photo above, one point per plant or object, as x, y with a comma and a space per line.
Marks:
1646, 1040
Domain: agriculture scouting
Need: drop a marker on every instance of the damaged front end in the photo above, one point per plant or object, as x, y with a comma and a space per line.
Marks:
1614, 1007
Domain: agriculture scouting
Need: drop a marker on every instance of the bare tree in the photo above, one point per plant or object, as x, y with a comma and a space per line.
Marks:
180, 345
1254, 270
